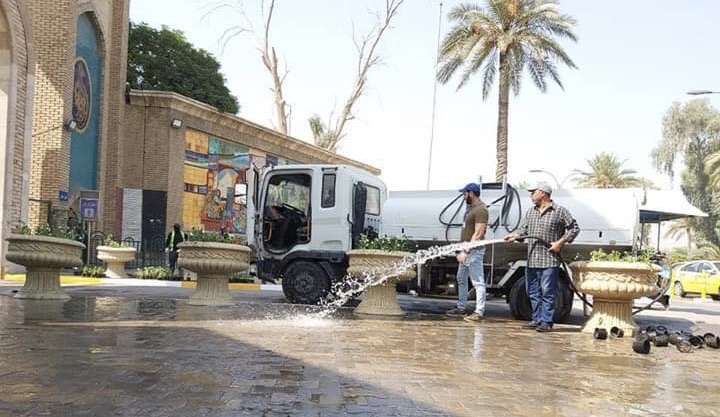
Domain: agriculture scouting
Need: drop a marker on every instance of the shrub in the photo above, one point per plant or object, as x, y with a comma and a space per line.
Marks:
241, 277
645, 256
154, 272
45, 229
111, 242
384, 243
200, 235
94, 271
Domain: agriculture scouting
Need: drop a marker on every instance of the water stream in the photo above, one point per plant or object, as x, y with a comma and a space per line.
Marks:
350, 286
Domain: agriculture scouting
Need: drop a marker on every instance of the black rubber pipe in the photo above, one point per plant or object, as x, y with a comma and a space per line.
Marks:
600, 334
661, 340
617, 332
641, 346
711, 340
684, 346
696, 341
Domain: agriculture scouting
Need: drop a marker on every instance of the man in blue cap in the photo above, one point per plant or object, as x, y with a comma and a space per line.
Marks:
470, 262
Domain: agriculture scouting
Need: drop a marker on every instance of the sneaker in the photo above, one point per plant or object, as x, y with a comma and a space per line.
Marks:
456, 312
532, 325
476, 317
543, 328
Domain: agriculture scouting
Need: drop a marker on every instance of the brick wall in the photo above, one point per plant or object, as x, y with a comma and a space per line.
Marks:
152, 153
53, 31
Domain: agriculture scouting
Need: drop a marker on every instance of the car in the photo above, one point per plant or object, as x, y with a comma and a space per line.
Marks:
696, 277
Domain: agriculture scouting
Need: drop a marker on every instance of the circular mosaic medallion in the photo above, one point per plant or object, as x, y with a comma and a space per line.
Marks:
82, 95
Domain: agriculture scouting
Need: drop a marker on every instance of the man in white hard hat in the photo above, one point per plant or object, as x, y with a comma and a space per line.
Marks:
545, 223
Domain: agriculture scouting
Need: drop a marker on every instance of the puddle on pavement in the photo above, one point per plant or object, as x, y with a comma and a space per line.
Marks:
269, 356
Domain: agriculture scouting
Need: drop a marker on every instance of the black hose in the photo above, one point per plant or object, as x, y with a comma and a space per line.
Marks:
570, 282
510, 197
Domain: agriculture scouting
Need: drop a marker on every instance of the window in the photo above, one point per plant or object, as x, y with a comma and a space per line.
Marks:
372, 205
717, 265
706, 267
693, 267
328, 191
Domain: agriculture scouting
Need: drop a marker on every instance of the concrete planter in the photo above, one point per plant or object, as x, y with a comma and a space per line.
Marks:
213, 262
381, 299
115, 258
614, 286
44, 258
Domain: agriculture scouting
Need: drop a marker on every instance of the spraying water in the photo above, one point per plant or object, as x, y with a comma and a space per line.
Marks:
346, 288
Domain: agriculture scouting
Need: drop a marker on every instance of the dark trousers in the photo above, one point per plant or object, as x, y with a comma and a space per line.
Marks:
173, 261
541, 285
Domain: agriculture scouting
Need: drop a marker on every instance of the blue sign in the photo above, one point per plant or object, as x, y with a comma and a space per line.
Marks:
88, 208
63, 196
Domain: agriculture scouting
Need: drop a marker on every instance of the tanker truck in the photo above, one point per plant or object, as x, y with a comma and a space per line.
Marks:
609, 219
303, 219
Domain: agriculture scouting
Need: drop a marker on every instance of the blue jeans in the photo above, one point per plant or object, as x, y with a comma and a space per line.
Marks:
541, 284
473, 268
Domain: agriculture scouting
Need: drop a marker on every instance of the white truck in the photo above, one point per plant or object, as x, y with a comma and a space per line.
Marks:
610, 219
304, 219
307, 218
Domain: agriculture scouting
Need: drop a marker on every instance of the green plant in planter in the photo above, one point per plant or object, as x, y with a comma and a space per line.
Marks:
644, 256
200, 235
45, 229
111, 242
390, 244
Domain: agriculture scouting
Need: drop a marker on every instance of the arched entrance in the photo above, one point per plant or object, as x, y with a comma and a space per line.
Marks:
86, 107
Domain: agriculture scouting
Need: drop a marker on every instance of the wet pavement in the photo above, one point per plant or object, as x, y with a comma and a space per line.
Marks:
144, 351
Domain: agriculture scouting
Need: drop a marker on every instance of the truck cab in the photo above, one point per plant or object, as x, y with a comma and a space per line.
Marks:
306, 219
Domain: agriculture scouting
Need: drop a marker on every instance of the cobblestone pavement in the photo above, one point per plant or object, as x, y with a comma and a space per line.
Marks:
138, 352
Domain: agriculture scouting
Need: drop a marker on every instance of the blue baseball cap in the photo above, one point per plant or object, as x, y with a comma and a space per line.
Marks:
470, 187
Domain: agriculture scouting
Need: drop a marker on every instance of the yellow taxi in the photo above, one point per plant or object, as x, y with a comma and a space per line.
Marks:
696, 276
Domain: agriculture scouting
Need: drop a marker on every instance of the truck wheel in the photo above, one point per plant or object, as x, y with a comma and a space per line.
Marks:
305, 282
520, 303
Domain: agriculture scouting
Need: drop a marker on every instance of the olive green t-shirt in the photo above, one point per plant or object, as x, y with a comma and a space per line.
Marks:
477, 214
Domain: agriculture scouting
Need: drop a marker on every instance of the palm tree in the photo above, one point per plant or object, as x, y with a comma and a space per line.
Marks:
606, 172
712, 168
680, 228
321, 136
506, 37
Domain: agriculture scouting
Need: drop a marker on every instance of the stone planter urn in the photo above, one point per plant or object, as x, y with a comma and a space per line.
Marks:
614, 286
380, 299
115, 258
213, 263
43, 257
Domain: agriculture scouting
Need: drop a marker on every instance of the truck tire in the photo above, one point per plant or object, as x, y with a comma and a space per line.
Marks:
520, 303
305, 282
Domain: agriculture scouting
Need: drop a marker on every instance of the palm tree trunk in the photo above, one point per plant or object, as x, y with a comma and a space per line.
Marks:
502, 125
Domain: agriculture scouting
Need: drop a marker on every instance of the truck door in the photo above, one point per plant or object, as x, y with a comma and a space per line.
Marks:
358, 212
286, 211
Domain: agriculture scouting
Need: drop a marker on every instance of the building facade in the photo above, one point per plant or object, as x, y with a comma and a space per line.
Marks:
77, 148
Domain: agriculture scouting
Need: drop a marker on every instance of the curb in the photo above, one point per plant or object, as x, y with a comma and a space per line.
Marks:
69, 280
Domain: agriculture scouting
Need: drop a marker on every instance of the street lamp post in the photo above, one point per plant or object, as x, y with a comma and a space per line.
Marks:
701, 92
558, 184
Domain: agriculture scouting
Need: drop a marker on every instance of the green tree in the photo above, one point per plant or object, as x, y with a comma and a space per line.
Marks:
692, 132
164, 60
606, 172
712, 169
506, 37
321, 136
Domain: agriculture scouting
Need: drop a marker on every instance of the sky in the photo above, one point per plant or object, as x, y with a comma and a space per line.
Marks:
634, 58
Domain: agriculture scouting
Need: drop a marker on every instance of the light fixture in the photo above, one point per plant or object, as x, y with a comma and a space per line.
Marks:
70, 125
176, 123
